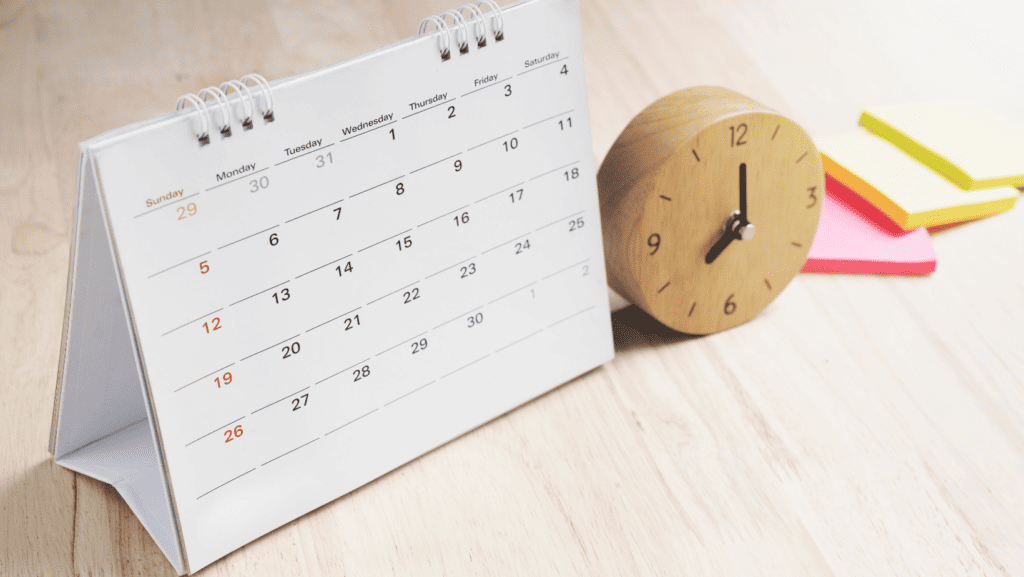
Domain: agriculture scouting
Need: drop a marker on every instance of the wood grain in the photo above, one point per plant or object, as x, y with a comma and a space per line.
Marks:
859, 426
669, 187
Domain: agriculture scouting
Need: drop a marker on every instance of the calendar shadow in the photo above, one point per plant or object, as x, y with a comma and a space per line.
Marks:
48, 525
632, 328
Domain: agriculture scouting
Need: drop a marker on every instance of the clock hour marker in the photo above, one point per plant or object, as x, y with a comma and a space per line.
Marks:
664, 287
695, 154
665, 197
776, 131
768, 283
796, 244
693, 306
801, 158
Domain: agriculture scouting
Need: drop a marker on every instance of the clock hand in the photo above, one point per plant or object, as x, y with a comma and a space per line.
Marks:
723, 242
743, 194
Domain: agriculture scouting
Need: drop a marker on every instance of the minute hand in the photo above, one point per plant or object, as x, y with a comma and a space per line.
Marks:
743, 194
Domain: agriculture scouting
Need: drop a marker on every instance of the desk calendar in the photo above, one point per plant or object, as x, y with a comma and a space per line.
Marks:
288, 289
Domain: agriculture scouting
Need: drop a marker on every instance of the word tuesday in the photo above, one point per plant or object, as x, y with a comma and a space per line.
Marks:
301, 147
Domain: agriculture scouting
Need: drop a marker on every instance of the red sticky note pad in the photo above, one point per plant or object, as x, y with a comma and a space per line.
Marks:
855, 237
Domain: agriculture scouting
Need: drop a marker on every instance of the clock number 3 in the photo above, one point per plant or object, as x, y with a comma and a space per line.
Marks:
812, 197
737, 134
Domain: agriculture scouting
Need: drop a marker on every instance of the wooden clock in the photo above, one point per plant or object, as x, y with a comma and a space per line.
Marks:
709, 203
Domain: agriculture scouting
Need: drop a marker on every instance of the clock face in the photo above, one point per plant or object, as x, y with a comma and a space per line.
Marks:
729, 224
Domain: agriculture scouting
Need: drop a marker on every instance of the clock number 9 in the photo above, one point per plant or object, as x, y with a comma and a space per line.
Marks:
654, 241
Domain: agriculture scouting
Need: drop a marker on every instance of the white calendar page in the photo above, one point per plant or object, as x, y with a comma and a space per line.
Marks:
411, 248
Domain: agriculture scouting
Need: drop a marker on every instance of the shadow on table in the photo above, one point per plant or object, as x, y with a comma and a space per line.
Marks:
56, 522
632, 328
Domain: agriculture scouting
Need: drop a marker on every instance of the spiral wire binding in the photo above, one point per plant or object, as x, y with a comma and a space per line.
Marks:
245, 96
461, 25
204, 115
251, 102
220, 114
222, 101
268, 112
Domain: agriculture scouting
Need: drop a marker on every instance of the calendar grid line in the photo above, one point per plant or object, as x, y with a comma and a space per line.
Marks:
450, 267
192, 321
350, 422
555, 170
512, 293
248, 237
217, 429
400, 344
323, 265
236, 179
225, 483
317, 149
571, 316
497, 83
316, 210
168, 204
270, 347
290, 452
367, 131
457, 317
542, 66
519, 341
551, 118
385, 240
391, 293
433, 163
377, 186
334, 319
465, 366
409, 393
203, 377
565, 269
492, 140
179, 264
499, 192
278, 401
504, 243
559, 220
429, 108
259, 293
341, 371
442, 216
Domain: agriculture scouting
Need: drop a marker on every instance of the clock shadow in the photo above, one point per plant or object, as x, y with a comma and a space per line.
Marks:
632, 328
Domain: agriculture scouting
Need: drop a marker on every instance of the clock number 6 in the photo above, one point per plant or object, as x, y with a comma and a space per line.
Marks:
654, 241
730, 307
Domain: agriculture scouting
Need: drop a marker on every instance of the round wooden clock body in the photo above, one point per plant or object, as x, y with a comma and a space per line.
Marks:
679, 240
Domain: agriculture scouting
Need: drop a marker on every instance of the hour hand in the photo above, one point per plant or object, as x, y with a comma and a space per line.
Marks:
723, 242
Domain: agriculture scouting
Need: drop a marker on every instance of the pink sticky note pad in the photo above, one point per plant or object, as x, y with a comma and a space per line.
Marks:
855, 237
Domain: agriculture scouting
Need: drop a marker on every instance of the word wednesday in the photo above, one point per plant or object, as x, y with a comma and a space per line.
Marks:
380, 119
541, 60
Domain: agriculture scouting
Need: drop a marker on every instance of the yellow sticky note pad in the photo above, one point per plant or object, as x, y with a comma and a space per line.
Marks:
964, 141
907, 191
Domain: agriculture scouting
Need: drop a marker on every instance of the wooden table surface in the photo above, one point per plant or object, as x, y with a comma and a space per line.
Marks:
859, 426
